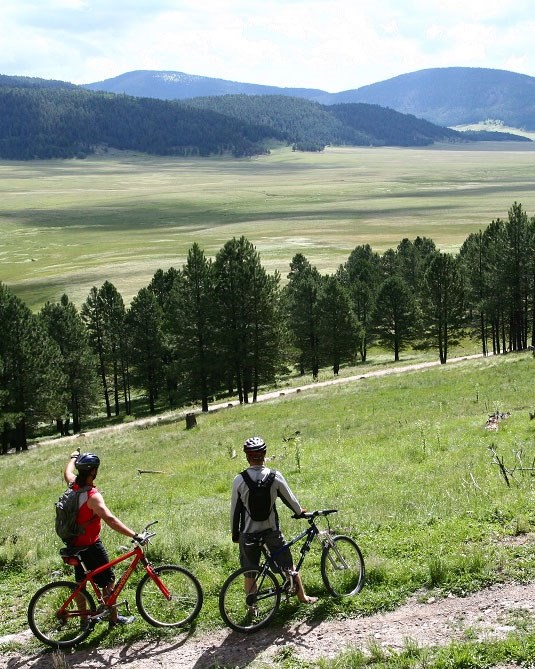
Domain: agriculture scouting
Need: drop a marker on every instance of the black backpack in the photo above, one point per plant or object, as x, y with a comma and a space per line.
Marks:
66, 511
259, 495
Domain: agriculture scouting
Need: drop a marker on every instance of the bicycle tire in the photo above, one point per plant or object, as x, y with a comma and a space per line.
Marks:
55, 631
186, 597
249, 616
342, 566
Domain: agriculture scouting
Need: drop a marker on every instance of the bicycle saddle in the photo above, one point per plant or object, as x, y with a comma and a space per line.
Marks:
72, 551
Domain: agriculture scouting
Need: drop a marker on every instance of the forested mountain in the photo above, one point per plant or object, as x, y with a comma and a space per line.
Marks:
310, 126
45, 123
33, 82
455, 96
53, 121
445, 96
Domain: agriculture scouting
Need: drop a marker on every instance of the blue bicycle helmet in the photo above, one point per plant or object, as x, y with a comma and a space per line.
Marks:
254, 445
87, 461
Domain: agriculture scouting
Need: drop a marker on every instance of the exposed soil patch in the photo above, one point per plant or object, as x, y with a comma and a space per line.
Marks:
489, 614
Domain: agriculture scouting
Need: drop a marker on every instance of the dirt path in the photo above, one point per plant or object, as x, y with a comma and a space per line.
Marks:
175, 416
488, 614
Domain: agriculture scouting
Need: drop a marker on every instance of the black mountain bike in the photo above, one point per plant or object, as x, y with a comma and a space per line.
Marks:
250, 598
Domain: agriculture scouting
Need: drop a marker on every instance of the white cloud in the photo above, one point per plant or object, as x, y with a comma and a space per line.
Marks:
332, 44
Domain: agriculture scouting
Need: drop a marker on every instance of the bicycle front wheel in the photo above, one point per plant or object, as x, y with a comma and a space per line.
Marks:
249, 599
342, 566
175, 609
55, 623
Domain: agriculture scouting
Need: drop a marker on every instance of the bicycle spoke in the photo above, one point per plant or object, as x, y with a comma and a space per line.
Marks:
180, 608
249, 599
54, 623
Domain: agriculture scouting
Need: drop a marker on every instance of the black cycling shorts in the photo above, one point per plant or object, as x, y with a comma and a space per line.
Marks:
273, 539
95, 556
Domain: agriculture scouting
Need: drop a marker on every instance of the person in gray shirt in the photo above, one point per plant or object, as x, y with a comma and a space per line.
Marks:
246, 530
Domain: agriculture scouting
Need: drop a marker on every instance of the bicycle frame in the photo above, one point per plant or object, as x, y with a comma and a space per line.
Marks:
109, 602
310, 533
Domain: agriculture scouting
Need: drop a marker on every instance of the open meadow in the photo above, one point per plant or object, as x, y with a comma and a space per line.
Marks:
68, 225
405, 458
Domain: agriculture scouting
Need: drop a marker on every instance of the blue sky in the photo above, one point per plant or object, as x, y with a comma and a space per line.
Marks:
333, 45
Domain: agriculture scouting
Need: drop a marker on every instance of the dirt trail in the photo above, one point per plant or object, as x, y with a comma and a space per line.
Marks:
488, 614
175, 416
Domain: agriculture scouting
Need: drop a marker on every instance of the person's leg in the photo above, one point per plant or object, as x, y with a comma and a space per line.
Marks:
274, 541
249, 557
106, 581
301, 594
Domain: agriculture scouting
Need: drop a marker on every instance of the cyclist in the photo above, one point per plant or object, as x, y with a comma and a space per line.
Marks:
245, 530
91, 512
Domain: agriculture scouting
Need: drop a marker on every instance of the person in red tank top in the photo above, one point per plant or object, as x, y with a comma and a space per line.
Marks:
92, 512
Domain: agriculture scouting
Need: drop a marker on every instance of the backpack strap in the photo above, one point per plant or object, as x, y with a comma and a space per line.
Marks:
266, 481
270, 478
248, 480
84, 490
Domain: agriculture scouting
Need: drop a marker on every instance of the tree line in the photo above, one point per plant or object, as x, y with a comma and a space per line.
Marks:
226, 326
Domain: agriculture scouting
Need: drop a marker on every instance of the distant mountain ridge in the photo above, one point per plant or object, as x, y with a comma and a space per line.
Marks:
169, 85
444, 96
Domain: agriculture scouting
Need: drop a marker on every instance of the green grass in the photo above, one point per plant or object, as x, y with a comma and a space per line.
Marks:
405, 459
68, 225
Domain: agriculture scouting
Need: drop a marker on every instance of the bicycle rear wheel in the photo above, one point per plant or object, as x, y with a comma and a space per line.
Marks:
180, 608
56, 625
342, 566
249, 611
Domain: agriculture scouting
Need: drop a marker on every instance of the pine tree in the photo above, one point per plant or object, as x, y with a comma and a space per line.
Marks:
144, 322
395, 315
300, 298
362, 274
93, 318
189, 324
246, 318
443, 303
32, 380
65, 327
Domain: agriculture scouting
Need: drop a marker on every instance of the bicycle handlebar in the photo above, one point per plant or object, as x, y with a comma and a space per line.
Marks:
310, 515
143, 537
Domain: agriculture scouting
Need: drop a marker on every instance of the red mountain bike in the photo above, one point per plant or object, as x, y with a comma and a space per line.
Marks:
62, 613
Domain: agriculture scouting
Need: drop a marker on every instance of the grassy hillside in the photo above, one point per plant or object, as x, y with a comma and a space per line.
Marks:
405, 458
68, 225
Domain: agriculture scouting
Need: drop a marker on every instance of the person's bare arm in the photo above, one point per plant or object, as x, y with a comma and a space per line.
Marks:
69, 474
98, 507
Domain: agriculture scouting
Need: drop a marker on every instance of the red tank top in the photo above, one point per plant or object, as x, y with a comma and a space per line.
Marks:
90, 521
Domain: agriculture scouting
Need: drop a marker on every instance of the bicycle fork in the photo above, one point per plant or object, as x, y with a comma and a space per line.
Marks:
161, 585
338, 563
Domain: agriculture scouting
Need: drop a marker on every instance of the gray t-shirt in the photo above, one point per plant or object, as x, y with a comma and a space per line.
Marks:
240, 519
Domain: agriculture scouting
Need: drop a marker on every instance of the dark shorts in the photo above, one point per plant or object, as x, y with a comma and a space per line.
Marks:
94, 556
250, 549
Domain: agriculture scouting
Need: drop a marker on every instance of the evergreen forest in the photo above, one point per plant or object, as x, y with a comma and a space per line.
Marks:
225, 327
45, 119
